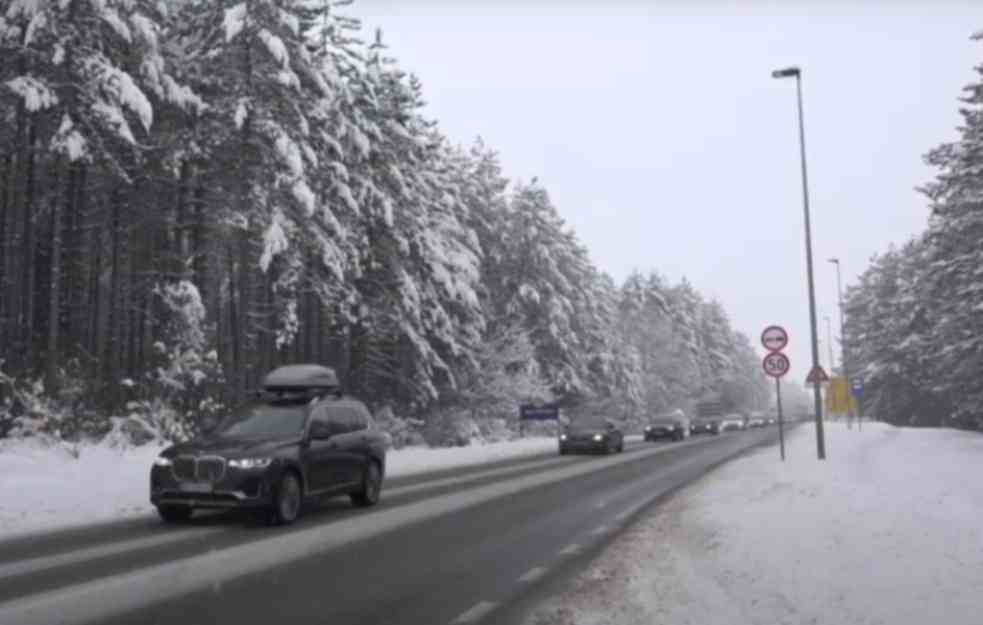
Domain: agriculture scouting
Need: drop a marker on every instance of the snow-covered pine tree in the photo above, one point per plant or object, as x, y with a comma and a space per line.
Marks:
420, 316
955, 270
892, 343
251, 63
537, 291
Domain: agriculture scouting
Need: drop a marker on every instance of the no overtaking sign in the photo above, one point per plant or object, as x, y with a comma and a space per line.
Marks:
774, 338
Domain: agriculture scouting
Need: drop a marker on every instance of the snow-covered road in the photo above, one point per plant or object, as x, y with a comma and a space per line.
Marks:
441, 548
886, 531
44, 488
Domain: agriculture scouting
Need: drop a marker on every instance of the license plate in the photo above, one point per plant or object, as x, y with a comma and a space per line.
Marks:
196, 488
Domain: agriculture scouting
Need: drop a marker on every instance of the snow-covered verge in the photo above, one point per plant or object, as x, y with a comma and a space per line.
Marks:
44, 487
886, 531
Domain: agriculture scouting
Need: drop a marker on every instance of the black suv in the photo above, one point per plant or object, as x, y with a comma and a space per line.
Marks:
299, 439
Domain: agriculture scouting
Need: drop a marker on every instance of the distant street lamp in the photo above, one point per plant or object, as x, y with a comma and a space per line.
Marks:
790, 72
829, 342
839, 291
846, 370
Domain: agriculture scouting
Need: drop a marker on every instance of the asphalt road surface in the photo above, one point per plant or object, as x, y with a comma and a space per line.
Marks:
463, 546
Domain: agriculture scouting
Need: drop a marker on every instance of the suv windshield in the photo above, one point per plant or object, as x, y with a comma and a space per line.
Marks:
664, 420
265, 421
590, 423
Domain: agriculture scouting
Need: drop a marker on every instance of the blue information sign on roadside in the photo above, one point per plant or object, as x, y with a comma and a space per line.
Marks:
857, 386
549, 412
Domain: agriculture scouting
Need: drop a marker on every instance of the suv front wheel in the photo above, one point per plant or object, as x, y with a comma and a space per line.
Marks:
371, 487
288, 498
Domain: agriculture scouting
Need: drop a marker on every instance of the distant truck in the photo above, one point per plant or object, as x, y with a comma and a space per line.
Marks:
710, 408
709, 416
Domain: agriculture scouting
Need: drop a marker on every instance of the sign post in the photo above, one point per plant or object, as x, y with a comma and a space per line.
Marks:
857, 388
781, 421
776, 364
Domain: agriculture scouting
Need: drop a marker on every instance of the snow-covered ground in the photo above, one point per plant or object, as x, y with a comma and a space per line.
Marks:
889, 530
43, 487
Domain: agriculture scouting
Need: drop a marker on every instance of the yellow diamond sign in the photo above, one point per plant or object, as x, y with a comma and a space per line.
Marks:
839, 399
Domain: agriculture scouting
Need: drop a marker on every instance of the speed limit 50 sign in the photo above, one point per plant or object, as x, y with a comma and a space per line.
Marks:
776, 364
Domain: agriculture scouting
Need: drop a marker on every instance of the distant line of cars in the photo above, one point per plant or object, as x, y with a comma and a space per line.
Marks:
600, 435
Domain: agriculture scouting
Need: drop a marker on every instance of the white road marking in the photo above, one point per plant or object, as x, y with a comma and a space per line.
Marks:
570, 550
477, 612
450, 481
533, 574
599, 530
43, 563
102, 598
624, 514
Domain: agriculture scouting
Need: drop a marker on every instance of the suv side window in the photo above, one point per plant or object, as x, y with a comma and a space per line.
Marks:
361, 415
342, 418
320, 420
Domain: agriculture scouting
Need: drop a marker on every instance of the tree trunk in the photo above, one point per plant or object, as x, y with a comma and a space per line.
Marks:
72, 327
234, 333
5, 180
54, 301
182, 226
112, 345
93, 344
12, 288
27, 269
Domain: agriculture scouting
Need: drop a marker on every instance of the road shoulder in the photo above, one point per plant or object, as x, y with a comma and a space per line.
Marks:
869, 536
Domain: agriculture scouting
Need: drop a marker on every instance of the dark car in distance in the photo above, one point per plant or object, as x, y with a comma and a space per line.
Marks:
673, 426
298, 440
757, 420
705, 425
592, 434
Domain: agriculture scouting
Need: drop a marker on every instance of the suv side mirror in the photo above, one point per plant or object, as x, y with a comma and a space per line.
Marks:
209, 424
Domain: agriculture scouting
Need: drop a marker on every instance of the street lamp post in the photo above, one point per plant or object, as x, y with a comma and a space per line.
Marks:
832, 365
839, 294
795, 72
829, 342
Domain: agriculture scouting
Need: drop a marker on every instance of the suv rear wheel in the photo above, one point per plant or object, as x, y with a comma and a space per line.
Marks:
371, 489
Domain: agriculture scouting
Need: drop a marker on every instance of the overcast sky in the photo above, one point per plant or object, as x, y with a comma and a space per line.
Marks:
665, 143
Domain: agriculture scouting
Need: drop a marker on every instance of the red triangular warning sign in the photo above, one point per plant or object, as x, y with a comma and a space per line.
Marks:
817, 376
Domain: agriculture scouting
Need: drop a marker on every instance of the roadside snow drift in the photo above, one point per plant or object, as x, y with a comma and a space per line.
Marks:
886, 531
44, 487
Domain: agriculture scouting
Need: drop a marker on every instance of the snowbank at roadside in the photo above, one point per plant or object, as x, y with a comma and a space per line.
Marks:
43, 487
886, 531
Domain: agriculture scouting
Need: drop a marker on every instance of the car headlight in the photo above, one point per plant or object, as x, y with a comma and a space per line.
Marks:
563, 437
161, 461
250, 463
648, 428
598, 437
671, 427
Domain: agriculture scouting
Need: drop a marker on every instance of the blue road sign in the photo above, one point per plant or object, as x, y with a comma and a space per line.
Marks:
857, 386
549, 412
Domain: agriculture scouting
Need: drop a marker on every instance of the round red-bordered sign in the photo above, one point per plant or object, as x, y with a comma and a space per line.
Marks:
774, 338
776, 364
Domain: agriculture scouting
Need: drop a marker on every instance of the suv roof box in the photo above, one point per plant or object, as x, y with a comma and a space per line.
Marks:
298, 377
